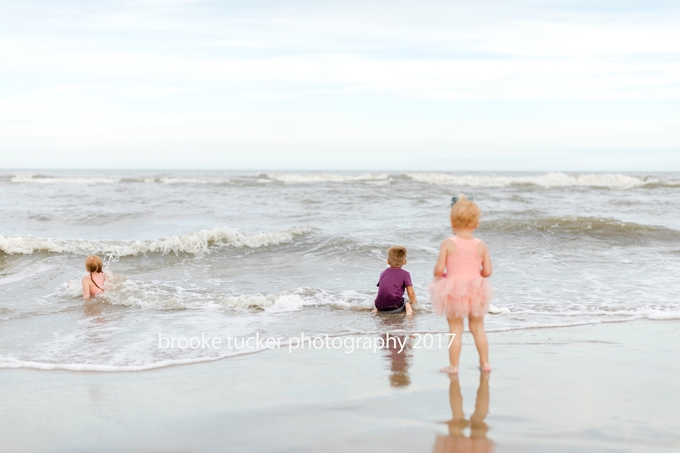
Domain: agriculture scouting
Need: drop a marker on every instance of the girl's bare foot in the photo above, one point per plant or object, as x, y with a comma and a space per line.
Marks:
375, 310
449, 370
485, 367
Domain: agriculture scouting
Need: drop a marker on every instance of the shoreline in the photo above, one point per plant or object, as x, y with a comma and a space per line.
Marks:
9, 364
599, 387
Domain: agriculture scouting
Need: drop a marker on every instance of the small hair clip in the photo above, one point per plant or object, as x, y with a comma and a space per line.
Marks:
455, 199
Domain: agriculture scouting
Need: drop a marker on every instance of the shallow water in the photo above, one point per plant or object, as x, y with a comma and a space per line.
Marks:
226, 253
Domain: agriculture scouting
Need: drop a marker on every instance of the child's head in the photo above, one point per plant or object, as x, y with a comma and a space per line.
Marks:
396, 256
93, 264
465, 213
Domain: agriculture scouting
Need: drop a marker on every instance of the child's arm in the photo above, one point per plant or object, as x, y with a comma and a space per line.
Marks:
440, 266
411, 295
487, 267
86, 288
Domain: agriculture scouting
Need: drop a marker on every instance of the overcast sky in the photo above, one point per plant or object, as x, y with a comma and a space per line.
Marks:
324, 85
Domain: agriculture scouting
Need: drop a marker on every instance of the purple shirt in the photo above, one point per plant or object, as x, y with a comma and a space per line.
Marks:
391, 285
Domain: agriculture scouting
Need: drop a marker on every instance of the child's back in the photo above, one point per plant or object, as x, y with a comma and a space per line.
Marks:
463, 292
460, 288
93, 284
466, 262
392, 283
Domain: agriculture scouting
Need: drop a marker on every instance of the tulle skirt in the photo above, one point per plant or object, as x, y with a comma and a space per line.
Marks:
460, 297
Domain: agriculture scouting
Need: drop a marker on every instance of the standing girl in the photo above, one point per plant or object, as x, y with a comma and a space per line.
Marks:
93, 283
460, 288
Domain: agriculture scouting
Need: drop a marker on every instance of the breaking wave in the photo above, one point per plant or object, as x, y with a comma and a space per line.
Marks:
195, 242
615, 181
604, 228
174, 180
43, 179
556, 179
154, 295
290, 178
324, 177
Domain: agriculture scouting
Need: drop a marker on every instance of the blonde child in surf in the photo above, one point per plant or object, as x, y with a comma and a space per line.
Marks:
93, 283
460, 288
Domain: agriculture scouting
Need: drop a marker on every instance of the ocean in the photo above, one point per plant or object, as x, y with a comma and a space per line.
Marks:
280, 254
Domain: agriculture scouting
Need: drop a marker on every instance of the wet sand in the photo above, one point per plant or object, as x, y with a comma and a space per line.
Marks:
599, 388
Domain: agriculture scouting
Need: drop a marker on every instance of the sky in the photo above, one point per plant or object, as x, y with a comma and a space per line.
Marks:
354, 85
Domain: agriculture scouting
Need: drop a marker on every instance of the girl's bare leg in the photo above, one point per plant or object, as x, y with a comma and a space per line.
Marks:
455, 327
477, 329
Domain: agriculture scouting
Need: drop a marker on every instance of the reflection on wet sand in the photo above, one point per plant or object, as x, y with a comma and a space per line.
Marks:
397, 348
399, 361
457, 441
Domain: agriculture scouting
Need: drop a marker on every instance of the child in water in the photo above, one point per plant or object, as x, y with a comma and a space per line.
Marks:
392, 283
460, 288
93, 284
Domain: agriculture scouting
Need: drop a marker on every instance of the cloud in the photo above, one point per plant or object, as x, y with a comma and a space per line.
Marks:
269, 76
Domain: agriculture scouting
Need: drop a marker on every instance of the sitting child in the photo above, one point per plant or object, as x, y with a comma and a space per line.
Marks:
392, 283
93, 284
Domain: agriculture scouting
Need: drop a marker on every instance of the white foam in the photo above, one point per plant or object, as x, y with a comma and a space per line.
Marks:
325, 177
194, 242
160, 296
381, 182
173, 180
617, 181
40, 179
642, 312
659, 315
54, 180
12, 363
555, 179
287, 302
498, 310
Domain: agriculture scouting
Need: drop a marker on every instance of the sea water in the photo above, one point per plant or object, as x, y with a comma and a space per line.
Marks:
240, 254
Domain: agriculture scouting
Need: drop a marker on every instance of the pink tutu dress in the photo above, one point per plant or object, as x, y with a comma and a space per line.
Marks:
462, 292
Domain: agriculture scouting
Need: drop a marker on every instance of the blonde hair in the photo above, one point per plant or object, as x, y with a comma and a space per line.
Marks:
397, 255
465, 213
93, 264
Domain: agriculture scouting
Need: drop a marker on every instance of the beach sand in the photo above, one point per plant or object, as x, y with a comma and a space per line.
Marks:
597, 388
